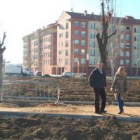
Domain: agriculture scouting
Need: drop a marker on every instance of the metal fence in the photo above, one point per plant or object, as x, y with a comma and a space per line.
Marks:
33, 90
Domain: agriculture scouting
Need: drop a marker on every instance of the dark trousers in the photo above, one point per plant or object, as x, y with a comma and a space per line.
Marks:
100, 92
120, 103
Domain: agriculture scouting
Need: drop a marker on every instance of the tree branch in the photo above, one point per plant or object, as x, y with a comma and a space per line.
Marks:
103, 13
4, 35
112, 34
98, 37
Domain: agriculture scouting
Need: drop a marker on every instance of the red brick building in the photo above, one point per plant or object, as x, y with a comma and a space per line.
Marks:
71, 45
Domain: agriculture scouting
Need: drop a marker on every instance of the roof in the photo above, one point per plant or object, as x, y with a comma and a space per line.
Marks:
85, 16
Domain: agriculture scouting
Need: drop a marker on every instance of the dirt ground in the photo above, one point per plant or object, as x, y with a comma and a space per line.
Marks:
38, 127
70, 109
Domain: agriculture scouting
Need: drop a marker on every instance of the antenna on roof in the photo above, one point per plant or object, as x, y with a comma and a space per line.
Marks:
71, 9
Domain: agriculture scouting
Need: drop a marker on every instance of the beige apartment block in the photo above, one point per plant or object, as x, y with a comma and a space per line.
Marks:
40, 50
71, 45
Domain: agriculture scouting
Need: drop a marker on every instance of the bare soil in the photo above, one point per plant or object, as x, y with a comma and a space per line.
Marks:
38, 127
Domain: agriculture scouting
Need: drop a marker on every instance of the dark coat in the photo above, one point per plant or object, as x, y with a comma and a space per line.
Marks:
97, 79
120, 85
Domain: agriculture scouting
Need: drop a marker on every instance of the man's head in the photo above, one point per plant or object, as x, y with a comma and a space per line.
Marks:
100, 65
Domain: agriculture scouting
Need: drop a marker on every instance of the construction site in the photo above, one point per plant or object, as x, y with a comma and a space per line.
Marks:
63, 108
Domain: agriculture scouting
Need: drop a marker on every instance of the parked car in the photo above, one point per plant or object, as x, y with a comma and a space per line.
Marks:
47, 75
38, 73
68, 74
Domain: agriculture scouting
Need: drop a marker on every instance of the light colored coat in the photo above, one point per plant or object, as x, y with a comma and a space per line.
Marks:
120, 85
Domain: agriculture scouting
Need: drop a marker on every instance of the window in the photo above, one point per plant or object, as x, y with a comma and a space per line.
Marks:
83, 52
127, 45
67, 25
76, 41
121, 28
67, 44
82, 60
83, 33
136, 38
127, 62
83, 24
92, 53
92, 35
76, 23
67, 34
135, 30
92, 44
127, 53
127, 37
136, 46
76, 59
92, 61
76, 51
66, 52
121, 62
112, 28
60, 44
127, 28
60, 52
83, 42
76, 32
121, 53
66, 61
92, 26
122, 45
122, 36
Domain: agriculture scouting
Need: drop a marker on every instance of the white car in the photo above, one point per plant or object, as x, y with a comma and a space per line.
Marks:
68, 74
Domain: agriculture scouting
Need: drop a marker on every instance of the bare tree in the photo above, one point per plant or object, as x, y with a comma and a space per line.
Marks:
102, 36
2, 49
115, 43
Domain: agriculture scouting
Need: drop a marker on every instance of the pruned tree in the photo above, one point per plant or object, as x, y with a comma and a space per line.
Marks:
2, 49
103, 36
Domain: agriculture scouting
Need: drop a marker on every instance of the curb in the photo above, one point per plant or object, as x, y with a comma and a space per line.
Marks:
25, 114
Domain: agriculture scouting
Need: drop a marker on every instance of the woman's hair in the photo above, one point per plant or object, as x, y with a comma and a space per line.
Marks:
121, 71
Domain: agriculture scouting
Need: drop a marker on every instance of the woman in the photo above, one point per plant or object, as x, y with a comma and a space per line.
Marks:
119, 86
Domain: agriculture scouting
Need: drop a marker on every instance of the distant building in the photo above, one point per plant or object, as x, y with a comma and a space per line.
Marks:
40, 50
71, 45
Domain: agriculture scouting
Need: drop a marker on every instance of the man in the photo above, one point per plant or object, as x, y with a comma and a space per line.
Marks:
97, 80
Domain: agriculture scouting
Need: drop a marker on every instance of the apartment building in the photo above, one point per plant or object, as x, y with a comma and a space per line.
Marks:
71, 45
78, 48
40, 50
76, 42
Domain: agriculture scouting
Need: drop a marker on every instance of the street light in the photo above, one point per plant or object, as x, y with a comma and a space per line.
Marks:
3, 73
73, 57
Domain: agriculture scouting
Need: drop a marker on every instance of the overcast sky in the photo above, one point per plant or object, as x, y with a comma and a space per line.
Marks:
21, 17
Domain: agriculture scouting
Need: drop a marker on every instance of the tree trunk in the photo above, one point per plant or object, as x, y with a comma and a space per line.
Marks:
1, 70
2, 49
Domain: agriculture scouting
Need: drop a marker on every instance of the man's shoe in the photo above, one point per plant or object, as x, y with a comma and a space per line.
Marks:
103, 111
97, 112
122, 111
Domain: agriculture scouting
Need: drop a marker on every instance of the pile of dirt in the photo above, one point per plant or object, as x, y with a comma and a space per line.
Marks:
9, 105
39, 127
71, 89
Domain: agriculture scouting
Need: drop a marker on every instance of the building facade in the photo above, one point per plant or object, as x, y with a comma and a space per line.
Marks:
40, 50
71, 45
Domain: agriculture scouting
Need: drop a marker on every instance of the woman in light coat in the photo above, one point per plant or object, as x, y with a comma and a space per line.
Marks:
119, 86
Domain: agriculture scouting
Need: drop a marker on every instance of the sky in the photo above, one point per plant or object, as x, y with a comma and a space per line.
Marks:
19, 18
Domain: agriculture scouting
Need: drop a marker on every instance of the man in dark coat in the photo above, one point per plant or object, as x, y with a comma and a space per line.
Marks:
97, 80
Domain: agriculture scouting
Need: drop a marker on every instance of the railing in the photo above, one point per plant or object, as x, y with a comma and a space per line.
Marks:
32, 90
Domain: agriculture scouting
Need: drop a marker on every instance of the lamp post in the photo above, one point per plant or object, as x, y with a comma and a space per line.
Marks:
78, 69
73, 57
87, 64
52, 45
